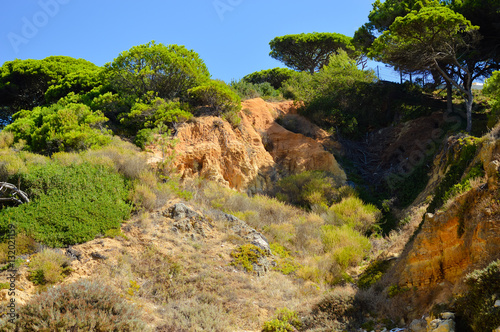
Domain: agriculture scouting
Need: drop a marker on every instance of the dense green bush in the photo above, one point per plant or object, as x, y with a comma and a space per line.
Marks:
308, 189
248, 90
355, 213
25, 84
285, 320
56, 128
477, 305
275, 77
373, 273
351, 100
492, 90
247, 256
81, 306
170, 71
331, 95
70, 204
157, 112
217, 96
346, 246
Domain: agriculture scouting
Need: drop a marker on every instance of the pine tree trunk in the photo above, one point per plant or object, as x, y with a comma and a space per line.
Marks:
449, 96
468, 107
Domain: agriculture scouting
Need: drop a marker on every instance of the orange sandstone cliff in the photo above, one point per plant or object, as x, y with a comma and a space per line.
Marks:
257, 152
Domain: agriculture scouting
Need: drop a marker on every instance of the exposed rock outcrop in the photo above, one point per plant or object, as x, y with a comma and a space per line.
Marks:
252, 156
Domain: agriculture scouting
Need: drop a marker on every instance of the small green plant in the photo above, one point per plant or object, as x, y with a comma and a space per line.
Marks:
285, 263
369, 325
395, 290
373, 273
285, 320
346, 246
115, 232
246, 256
71, 127
133, 288
355, 213
217, 96
48, 267
4, 285
308, 189
464, 185
477, 304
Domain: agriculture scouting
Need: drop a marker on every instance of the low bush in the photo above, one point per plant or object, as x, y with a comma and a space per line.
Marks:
477, 304
217, 96
247, 90
373, 273
285, 263
346, 246
24, 245
69, 204
48, 267
274, 77
157, 111
355, 213
246, 256
194, 315
285, 320
81, 306
72, 127
308, 189
6, 139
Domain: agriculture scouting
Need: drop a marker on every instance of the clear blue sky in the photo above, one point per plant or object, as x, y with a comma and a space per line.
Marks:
231, 36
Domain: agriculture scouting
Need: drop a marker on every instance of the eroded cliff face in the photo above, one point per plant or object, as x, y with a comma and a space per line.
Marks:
256, 153
462, 237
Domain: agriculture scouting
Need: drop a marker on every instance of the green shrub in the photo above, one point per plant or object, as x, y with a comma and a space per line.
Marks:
285, 263
69, 204
477, 304
155, 112
72, 127
232, 117
274, 77
81, 306
464, 185
144, 137
308, 189
373, 273
346, 246
217, 96
247, 256
358, 215
48, 267
246, 90
285, 320
395, 290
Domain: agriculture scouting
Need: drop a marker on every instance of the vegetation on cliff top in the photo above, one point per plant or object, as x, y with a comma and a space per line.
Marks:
65, 122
